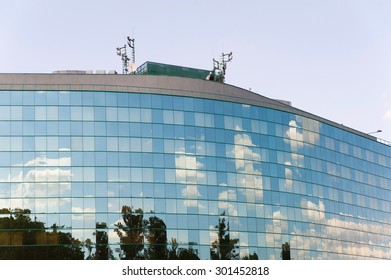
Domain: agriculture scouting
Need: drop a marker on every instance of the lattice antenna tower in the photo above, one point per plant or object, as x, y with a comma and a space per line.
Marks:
121, 51
225, 57
131, 45
220, 68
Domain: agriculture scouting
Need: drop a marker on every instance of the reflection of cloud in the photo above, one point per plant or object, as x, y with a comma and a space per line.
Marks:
288, 176
227, 195
187, 162
248, 179
40, 177
340, 236
44, 175
245, 157
213, 235
238, 128
43, 161
194, 203
244, 251
225, 198
187, 172
295, 137
312, 211
298, 137
191, 191
83, 210
243, 154
41, 174
113, 236
344, 235
276, 226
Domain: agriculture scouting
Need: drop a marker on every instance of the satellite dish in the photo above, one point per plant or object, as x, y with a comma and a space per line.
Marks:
133, 67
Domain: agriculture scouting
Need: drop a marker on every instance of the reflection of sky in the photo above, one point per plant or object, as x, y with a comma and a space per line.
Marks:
243, 182
302, 198
188, 172
320, 233
340, 233
39, 177
248, 178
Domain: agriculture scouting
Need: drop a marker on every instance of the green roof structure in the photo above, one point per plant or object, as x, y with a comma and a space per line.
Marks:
160, 69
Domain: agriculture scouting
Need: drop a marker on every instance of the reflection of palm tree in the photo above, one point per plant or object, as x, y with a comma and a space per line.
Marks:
224, 248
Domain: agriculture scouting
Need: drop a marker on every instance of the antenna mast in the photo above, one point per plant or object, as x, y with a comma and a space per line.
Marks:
220, 67
121, 51
131, 45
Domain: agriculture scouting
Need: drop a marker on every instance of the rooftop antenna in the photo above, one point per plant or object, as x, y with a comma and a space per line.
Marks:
121, 51
220, 67
132, 46
225, 57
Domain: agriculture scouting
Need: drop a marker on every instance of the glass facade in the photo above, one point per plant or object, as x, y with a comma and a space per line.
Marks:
141, 175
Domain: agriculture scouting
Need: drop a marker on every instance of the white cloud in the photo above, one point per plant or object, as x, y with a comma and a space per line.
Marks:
187, 162
226, 199
298, 137
341, 233
54, 172
187, 169
313, 212
43, 161
387, 115
338, 231
83, 210
245, 157
191, 191
194, 203
35, 182
187, 172
227, 195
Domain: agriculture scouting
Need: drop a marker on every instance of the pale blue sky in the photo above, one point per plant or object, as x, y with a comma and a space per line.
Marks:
331, 58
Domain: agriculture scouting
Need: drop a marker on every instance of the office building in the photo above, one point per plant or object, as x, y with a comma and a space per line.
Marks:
166, 164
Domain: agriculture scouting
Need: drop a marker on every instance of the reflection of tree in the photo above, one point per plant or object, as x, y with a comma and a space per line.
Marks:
103, 250
147, 238
224, 248
88, 244
157, 239
175, 253
24, 239
131, 233
286, 251
253, 256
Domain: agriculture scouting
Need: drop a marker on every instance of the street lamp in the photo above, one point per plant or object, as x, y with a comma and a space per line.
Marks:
378, 131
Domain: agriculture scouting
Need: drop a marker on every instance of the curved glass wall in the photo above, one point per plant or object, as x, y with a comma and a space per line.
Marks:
130, 175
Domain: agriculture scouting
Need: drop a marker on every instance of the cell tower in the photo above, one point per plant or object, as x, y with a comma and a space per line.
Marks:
219, 68
121, 51
133, 66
